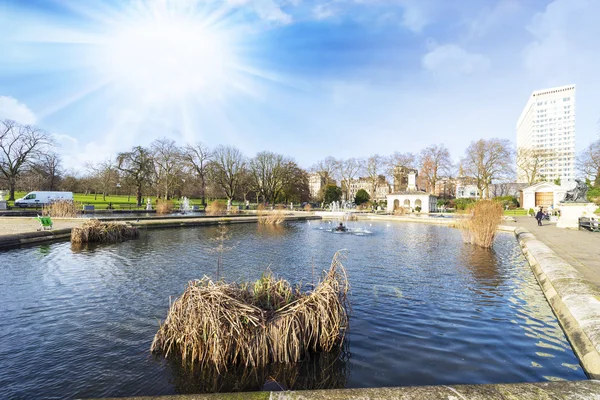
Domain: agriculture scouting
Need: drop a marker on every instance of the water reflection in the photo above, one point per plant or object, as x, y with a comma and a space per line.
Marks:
427, 309
321, 371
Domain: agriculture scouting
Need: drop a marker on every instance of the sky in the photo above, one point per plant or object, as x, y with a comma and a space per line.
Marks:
304, 78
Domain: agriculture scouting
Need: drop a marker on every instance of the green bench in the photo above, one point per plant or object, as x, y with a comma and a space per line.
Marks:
45, 223
590, 224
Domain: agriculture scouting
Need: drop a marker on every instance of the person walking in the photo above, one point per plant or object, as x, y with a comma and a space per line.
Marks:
539, 216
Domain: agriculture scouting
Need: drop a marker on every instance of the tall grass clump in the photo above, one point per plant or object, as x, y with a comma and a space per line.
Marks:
62, 209
270, 217
217, 207
307, 207
94, 231
400, 211
480, 226
164, 206
220, 325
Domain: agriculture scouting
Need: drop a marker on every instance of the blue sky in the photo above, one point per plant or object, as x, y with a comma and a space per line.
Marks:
308, 79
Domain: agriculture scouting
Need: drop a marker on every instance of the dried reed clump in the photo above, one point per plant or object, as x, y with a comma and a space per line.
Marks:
352, 217
164, 206
103, 232
400, 211
220, 325
273, 217
217, 207
62, 209
480, 226
307, 207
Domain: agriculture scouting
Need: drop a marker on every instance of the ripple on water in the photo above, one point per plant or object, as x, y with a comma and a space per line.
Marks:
427, 309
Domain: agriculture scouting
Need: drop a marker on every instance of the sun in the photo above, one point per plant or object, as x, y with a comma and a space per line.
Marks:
169, 57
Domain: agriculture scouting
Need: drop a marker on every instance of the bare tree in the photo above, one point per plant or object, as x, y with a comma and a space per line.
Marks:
227, 168
269, 171
198, 157
433, 162
167, 166
328, 165
347, 171
295, 185
374, 167
588, 162
20, 145
104, 177
137, 166
530, 163
408, 160
486, 160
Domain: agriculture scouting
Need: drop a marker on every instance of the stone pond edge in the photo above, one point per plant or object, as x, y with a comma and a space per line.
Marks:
568, 390
574, 300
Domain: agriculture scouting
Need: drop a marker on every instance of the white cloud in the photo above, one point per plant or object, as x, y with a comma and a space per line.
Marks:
490, 19
10, 108
268, 10
453, 60
415, 17
323, 11
76, 155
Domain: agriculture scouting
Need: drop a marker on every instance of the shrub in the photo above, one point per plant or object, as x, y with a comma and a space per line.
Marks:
443, 202
331, 193
510, 201
307, 207
266, 217
418, 208
94, 231
217, 207
62, 209
164, 206
255, 324
462, 204
480, 226
361, 197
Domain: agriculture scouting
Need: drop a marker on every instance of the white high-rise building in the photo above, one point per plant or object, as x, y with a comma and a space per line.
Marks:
547, 124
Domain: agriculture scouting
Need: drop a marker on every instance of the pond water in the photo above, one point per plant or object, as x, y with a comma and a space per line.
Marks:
426, 309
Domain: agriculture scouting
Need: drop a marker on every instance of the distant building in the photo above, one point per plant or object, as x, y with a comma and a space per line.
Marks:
445, 188
466, 188
381, 191
316, 182
547, 124
401, 178
506, 189
411, 198
543, 194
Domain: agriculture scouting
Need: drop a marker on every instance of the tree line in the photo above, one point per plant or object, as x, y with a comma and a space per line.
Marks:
28, 161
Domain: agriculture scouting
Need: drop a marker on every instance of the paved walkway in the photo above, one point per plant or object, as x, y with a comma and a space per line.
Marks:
13, 225
581, 249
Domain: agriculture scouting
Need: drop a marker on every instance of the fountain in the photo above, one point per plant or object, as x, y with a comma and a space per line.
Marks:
184, 207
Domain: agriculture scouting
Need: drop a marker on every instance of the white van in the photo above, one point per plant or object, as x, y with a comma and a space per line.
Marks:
36, 199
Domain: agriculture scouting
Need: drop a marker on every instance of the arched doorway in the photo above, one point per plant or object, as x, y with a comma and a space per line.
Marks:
407, 203
396, 204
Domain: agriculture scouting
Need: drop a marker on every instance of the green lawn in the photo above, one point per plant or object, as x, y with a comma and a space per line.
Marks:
118, 202
517, 211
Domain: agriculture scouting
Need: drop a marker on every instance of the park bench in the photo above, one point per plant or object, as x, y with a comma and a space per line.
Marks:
590, 224
45, 223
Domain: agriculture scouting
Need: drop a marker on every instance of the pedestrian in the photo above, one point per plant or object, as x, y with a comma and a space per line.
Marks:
539, 216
